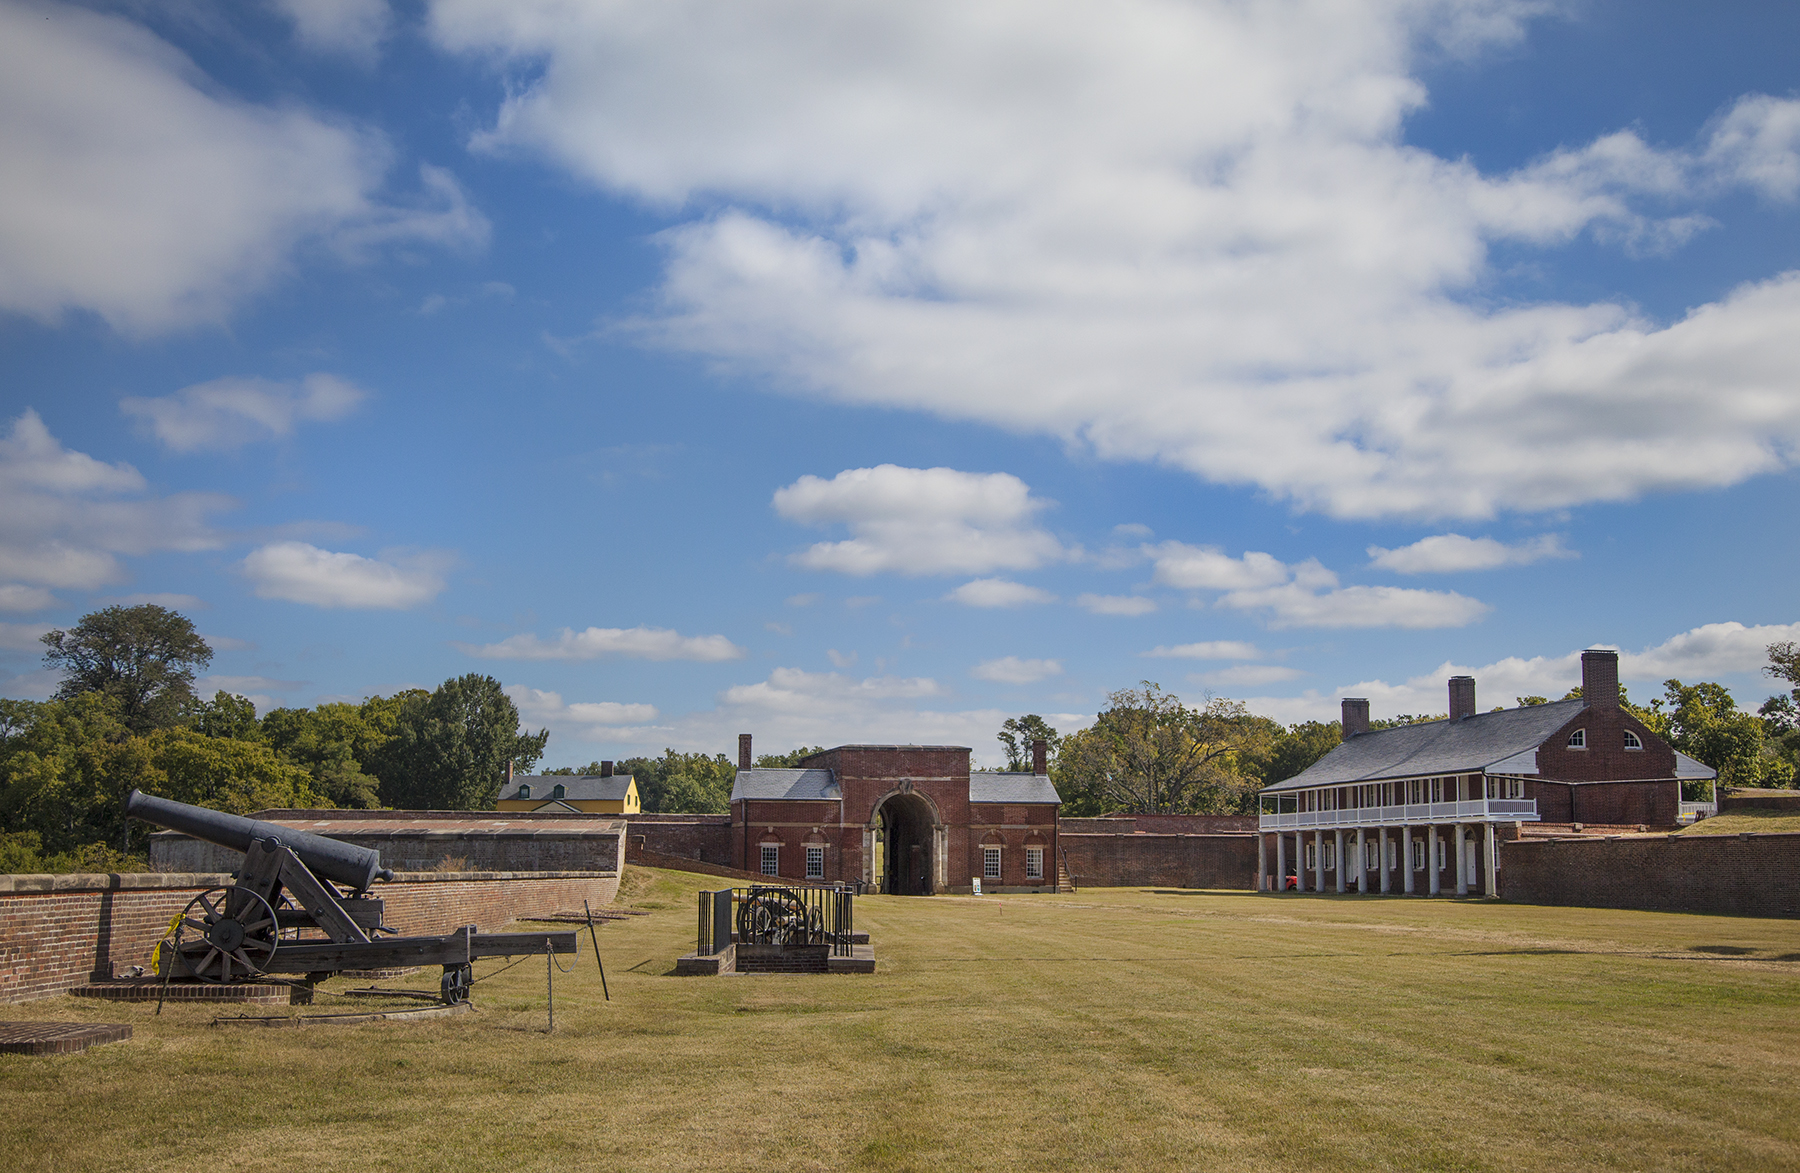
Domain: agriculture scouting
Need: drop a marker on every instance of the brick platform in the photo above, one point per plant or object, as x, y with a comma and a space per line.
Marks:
151, 990
58, 1038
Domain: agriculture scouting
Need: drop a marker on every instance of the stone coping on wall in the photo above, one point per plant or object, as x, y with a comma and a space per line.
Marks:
135, 881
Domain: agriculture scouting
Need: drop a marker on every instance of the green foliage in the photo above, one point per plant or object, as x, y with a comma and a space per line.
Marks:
338, 744
788, 760
1148, 753
1526, 702
684, 783
1407, 719
144, 657
1704, 722
450, 749
1017, 734
1291, 750
221, 773
227, 715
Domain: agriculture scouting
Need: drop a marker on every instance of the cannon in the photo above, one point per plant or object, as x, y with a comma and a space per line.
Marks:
288, 887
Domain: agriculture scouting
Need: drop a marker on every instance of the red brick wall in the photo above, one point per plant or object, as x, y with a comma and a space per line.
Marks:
1628, 804
1166, 861
702, 837
1161, 824
1741, 875
1605, 756
1778, 800
93, 926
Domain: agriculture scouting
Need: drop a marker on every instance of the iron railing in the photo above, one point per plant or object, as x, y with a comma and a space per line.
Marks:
1474, 810
777, 916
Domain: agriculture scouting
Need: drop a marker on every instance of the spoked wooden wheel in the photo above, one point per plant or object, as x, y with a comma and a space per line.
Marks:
226, 934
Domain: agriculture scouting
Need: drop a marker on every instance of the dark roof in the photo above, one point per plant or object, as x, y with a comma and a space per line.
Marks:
795, 784
576, 787
1506, 740
998, 786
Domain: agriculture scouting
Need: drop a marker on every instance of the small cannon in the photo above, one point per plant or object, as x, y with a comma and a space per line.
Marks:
253, 927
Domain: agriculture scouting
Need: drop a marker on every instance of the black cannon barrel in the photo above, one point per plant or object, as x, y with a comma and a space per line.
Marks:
333, 859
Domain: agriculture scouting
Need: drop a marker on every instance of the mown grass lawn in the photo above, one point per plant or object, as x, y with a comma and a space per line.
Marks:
1116, 1029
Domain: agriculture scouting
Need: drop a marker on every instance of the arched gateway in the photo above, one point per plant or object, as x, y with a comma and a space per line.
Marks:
904, 819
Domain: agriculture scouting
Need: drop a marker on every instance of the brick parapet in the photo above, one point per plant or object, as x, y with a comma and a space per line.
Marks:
1753, 874
1142, 860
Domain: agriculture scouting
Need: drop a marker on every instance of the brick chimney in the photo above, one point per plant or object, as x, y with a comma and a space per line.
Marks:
1462, 697
1040, 756
1356, 716
744, 758
1600, 678
509, 772
606, 769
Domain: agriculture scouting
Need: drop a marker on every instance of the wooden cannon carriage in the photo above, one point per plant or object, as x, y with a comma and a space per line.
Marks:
285, 913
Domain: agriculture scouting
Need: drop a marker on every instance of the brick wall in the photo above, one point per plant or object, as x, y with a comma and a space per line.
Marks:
1166, 861
703, 837
1740, 875
1161, 824
1769, 800
62, 931
565, 845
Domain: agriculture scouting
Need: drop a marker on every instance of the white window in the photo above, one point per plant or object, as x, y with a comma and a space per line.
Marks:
1034, 863
1418, 855
1330, 856
990, 863
771, 859
1311, 851
1578, 739
815, 862
1371, 854
1631, 740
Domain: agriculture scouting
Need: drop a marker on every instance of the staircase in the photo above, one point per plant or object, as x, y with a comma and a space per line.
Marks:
1064, 881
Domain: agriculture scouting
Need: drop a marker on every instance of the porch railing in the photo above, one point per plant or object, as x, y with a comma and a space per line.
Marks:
1478, 810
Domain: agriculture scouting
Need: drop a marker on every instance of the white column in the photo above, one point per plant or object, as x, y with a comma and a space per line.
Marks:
1406, 868
1339, 848
1280, 862
1493, 863
1384, 859
1432, 842
1362, 863
1318, 861
1262, 862
1462, 870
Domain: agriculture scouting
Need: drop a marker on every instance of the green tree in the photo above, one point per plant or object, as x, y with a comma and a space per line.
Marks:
450, 749
227, 715
65, 767
142, 656
338, 744
1016, 735
1291, 750
788, 760
1703, 721
222, 773
1148, 753
683, 783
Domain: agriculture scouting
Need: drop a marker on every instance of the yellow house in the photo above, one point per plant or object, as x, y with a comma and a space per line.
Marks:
607, 794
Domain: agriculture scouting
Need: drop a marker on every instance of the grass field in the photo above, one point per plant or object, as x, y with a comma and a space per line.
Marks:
1118, 1029
1753, 819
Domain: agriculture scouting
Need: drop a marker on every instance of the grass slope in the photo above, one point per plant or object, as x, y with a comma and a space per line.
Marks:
1120, 1029
1754, 819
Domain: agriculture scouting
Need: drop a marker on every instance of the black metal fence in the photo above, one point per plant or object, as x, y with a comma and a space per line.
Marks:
776, 916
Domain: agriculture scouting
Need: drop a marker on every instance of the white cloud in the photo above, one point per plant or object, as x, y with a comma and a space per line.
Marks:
1116, 604
1248, 676
593, 643
1716, 649
998, 592
169, 599
582, 720
24, 637
14, 597
1012, 670
1306, 594
839, 660
258, 690
1221, 649
302, 573
1447, 553
228, 643
136, 190
65, 517
353, 29
1209, 568
920, 521
805, 600
1183, 233
229, 413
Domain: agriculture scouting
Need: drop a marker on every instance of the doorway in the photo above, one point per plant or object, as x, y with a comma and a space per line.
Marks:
903, 844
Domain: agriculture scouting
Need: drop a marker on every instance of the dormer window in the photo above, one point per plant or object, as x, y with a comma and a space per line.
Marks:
557, 791
524, 790
1631, 740
1578, 739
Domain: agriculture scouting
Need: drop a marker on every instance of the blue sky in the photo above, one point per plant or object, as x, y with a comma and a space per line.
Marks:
877, 373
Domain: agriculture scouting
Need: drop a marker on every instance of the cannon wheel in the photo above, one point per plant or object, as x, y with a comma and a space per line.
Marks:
775, 915
453, 987
216, 947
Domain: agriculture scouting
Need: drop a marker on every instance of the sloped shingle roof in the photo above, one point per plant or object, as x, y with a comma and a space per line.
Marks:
1002, 786
1507, 741
795, 784
576, 788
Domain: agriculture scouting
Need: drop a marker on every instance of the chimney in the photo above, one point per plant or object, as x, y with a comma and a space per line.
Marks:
1040, 757
1462, 697
606, 769
1600, 679
744, 758
1356, 716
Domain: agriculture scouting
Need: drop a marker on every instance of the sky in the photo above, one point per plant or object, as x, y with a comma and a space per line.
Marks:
873, 373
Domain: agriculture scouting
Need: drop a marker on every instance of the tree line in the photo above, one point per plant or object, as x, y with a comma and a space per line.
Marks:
125, 716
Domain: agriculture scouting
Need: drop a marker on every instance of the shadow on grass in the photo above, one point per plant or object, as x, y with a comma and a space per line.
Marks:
1726, 950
